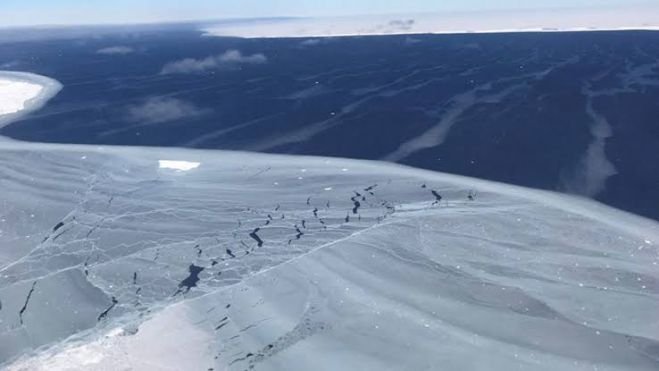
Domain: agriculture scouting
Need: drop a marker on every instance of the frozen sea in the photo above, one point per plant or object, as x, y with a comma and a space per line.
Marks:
122, 249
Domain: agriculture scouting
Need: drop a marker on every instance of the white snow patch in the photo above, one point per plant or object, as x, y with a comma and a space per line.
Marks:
147, 350
178, 165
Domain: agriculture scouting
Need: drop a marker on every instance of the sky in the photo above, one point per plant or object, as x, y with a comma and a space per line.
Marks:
70, 12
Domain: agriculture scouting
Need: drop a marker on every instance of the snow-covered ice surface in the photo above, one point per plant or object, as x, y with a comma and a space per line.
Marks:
172, 259
290, 263
549, 20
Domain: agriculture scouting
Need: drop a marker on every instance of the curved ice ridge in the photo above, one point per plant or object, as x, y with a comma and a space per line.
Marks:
48, 89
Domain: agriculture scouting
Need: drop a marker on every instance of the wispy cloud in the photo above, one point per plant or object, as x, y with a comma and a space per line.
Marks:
10, 64
158, 110
591, 173
227, 59
116, 50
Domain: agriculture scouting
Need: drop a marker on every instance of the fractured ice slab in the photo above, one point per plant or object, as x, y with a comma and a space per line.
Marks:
276, 262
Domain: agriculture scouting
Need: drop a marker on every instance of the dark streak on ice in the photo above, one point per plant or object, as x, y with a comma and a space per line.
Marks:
86, 270
248, 355
438, 197
230, 253
356, 203
315, 212
105, 312
256, 238
134, 278
223, 322
27, 300
58, 226
58, 235
190, 281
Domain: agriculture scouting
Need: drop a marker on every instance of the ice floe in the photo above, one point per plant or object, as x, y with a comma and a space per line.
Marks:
21, 93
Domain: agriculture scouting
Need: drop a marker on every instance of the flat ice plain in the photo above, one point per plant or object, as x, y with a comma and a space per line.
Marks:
170, 259
605, 18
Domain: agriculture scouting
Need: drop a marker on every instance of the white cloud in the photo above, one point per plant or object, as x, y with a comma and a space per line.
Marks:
228, 58
116, 50
158, 110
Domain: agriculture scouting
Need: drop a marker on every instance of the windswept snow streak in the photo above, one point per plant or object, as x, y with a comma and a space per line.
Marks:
436, 135
594, 168
273, 262
590, 174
